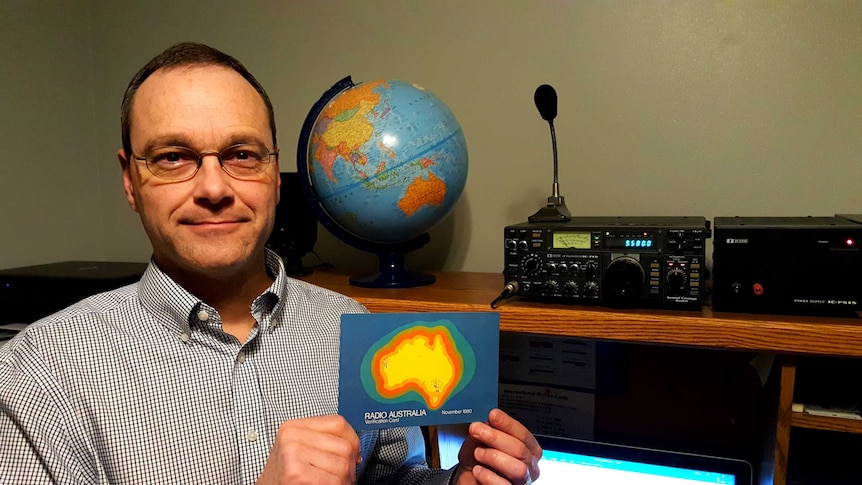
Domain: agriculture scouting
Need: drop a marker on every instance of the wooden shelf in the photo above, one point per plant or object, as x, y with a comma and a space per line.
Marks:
456, 292
784, 335
826, 423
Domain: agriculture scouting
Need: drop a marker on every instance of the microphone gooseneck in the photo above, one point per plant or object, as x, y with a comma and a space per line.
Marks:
545, 98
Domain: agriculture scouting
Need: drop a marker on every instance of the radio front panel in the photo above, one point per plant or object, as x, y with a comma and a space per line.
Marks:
631, 265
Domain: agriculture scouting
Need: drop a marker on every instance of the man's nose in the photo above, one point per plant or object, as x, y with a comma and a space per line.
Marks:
212, 182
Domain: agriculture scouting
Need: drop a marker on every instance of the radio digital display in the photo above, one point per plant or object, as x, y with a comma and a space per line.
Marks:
629, 242
571, 240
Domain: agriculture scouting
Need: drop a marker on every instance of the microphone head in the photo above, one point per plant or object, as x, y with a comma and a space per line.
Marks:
546, 101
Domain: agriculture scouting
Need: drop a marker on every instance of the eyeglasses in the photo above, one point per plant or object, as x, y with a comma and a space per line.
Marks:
243, 161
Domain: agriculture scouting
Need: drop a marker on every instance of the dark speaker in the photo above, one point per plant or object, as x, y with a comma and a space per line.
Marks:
295, 230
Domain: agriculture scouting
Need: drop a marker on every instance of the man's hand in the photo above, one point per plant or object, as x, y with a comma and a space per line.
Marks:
320, 450
501, 451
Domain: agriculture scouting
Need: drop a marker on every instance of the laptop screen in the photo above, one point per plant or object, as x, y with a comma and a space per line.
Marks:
566, 461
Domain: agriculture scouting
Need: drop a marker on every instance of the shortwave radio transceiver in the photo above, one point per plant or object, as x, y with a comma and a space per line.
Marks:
615, 261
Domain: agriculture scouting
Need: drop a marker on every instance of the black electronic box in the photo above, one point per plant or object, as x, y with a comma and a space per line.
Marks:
787, 265
32, 292
616, 261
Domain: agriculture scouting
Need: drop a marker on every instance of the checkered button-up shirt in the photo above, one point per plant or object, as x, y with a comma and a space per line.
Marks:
141, 385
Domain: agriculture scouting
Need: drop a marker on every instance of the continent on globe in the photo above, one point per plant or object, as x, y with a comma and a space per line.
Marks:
423, 192
386, 160
344, 128
424, 360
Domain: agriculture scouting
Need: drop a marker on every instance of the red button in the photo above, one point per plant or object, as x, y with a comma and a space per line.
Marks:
758, 289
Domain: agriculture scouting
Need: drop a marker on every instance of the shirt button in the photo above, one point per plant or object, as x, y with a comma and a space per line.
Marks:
184, 337
203, 315
251, 436
240, 357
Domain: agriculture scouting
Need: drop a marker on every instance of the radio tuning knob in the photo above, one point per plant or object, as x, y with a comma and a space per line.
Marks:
570, 288
624, 280
550, 287
591, 289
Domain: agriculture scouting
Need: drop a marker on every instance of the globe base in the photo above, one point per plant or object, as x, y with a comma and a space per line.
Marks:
392, 270
403, 278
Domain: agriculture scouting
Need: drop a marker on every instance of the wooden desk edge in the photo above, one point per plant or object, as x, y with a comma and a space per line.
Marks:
470, 292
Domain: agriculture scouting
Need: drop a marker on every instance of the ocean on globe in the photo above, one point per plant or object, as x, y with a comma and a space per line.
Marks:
387, 160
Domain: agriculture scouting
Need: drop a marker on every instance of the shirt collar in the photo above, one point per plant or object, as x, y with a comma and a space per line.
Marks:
174, 307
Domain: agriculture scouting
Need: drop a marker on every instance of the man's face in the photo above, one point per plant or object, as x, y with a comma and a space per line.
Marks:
212, 224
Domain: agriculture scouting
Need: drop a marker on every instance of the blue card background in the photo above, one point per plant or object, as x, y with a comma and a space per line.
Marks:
359, 332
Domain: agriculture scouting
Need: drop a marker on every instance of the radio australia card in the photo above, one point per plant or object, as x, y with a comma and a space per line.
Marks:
416, 369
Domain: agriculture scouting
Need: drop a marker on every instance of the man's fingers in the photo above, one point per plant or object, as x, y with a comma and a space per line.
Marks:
502, 421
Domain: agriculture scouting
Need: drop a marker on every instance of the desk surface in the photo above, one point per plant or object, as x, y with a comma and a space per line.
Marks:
465, 291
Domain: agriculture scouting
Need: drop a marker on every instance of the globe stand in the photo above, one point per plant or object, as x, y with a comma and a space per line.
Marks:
392, 270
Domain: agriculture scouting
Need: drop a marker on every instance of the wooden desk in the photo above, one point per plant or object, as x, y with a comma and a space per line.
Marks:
783, 335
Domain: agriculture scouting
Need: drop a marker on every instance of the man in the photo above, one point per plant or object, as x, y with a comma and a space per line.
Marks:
215, 367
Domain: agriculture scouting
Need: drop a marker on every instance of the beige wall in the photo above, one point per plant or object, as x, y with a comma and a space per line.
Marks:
49, 191
665, 108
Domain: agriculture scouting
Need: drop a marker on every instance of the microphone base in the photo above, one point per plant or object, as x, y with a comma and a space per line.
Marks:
551, 213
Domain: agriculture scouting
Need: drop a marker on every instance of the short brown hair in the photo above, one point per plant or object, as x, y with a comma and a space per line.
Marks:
186, 54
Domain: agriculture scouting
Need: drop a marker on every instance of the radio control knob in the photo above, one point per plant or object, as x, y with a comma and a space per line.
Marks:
552, 267
564, 268
511, 244
526, 287
550, 287
676, 280
522, 245
531, 264
591, 289
574, 269
592, 270
570, 288
624, 281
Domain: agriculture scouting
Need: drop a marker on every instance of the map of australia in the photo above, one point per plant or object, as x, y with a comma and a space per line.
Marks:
423, 363
417, 368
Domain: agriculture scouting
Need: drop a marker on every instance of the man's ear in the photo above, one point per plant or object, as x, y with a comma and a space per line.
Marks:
277, 183
128, 186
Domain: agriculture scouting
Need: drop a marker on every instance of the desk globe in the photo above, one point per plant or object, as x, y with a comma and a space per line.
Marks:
381, 162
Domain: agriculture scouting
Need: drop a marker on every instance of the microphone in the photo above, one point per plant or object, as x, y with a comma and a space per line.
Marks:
546, 102
545, 98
